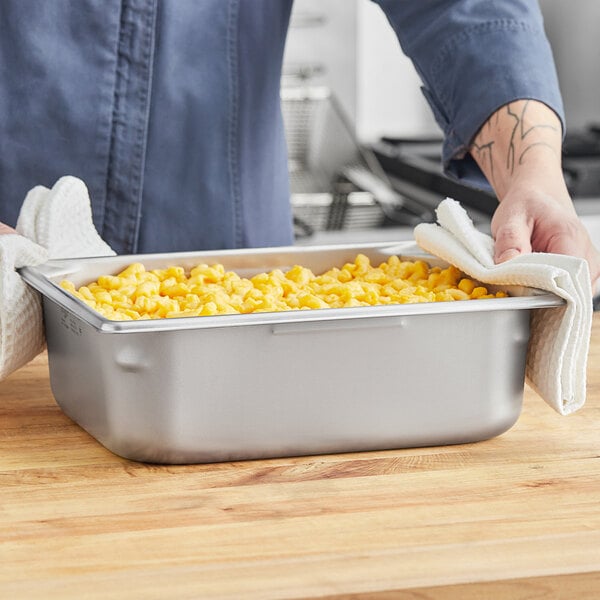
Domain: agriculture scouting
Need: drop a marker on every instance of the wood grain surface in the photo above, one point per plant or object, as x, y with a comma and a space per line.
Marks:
517, 516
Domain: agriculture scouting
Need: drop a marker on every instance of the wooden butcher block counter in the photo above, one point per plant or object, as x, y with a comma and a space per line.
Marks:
517, 516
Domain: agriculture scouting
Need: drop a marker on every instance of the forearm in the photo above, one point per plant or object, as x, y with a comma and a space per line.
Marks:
520, 145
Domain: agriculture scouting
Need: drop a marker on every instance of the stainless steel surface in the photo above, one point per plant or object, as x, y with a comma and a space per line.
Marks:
374, 180
319, 137
275, 384
335, 183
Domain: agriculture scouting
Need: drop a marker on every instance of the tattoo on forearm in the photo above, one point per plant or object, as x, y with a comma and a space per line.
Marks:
521, 140
484, 156
519, 133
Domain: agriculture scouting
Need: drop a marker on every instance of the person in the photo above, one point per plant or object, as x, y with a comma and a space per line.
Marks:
169, 111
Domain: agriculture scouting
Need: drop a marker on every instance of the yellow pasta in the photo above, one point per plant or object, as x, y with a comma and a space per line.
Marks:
136, 293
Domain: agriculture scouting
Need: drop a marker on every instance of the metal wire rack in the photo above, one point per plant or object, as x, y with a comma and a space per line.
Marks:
335, 182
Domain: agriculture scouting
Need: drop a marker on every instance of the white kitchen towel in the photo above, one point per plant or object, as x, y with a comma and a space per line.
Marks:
54, 223
560, 337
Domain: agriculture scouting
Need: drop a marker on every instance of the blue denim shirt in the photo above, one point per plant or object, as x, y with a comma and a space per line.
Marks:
169, 109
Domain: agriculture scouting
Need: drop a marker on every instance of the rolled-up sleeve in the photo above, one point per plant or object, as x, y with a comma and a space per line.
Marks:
473, 57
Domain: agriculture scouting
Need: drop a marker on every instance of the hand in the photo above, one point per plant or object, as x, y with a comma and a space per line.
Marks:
519, 151
6, 229
532, 220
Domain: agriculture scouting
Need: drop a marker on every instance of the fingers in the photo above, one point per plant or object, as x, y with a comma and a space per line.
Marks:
554, 233
512, 237
565, 236
564, 242
577, 244
6, 229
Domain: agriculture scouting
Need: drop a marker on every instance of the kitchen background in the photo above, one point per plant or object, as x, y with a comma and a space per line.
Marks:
363, 144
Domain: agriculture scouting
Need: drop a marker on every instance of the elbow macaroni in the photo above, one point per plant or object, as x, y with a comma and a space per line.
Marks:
210, 290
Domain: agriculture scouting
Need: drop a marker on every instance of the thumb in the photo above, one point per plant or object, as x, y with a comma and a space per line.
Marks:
511, 238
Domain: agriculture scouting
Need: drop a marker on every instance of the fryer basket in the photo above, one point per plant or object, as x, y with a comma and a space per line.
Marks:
323, 158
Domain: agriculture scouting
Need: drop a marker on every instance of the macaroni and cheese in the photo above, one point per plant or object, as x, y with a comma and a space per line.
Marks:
136, 293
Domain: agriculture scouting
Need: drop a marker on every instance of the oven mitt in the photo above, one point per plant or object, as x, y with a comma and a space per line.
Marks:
54, 223
560, 337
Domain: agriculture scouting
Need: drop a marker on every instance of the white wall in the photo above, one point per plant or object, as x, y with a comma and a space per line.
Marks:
389, 100
323, 33
363, 65
573, 30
